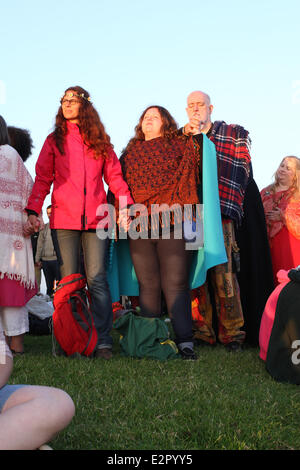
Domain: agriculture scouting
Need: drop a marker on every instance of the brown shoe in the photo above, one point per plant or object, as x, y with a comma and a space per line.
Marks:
103, 353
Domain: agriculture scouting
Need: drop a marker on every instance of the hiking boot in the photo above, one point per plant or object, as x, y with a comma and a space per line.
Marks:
103, 353
188, 354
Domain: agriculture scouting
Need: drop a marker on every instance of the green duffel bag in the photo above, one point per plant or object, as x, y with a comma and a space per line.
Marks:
145, 337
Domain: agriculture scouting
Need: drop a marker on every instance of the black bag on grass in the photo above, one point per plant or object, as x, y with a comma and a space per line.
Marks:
39, 326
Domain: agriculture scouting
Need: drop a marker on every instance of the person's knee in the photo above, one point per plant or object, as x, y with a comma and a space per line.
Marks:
175, 284
150, 284
54, 405
61, 405
96, 280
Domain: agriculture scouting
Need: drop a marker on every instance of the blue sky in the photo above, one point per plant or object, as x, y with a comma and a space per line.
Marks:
130, 54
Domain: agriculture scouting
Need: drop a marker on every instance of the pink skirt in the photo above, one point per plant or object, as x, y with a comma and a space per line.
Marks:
13, 294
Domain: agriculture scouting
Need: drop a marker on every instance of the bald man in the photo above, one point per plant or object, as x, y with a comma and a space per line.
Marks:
232, 144
199, 109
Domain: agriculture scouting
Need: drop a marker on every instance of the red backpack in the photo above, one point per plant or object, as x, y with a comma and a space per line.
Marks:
73, 324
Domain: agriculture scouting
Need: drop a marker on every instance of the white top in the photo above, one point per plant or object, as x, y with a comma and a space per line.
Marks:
16, 260
4, 349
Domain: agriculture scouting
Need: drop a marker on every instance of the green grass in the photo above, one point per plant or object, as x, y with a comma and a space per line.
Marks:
222, 401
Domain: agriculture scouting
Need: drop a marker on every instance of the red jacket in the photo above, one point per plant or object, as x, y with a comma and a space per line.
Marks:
77, 180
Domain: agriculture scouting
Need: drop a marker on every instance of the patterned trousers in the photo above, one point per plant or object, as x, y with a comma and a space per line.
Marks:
227, 299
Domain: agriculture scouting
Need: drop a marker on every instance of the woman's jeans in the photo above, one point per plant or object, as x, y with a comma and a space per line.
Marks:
84, 250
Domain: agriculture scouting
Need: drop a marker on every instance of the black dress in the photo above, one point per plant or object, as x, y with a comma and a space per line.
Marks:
283, 356
255, 276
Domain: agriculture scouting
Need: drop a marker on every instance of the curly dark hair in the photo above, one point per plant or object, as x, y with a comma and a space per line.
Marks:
91, 128
21, 141
4, 137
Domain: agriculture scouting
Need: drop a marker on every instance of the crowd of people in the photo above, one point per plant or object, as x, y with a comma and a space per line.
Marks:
203, 245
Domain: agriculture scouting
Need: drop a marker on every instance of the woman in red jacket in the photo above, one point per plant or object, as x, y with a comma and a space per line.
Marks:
75, 158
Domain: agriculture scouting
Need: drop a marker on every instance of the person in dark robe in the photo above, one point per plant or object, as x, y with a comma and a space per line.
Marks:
255, 276
283, 355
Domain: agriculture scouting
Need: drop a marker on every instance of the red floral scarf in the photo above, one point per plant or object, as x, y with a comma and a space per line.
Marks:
161, 171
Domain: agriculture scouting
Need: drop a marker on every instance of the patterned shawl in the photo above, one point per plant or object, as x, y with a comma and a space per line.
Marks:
289, 206
161, 171
232, 144
16, 259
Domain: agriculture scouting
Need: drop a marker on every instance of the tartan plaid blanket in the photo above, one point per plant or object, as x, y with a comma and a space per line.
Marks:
232, 144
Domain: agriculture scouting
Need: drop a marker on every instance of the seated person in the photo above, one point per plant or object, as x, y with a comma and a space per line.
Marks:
282, 355
30, 415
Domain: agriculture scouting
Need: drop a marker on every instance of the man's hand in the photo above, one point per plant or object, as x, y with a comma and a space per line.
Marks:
195, 125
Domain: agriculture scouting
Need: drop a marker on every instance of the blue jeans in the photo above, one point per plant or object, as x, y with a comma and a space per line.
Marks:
6, 392
80, 250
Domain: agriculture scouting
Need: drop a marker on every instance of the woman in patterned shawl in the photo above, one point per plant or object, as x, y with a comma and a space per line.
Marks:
161, 167
281, 202
17, 276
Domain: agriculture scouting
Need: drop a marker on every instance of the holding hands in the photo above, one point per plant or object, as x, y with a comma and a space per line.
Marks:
33, 224
124, 220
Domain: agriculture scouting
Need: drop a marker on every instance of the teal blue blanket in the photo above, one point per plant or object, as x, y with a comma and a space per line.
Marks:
121, 274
